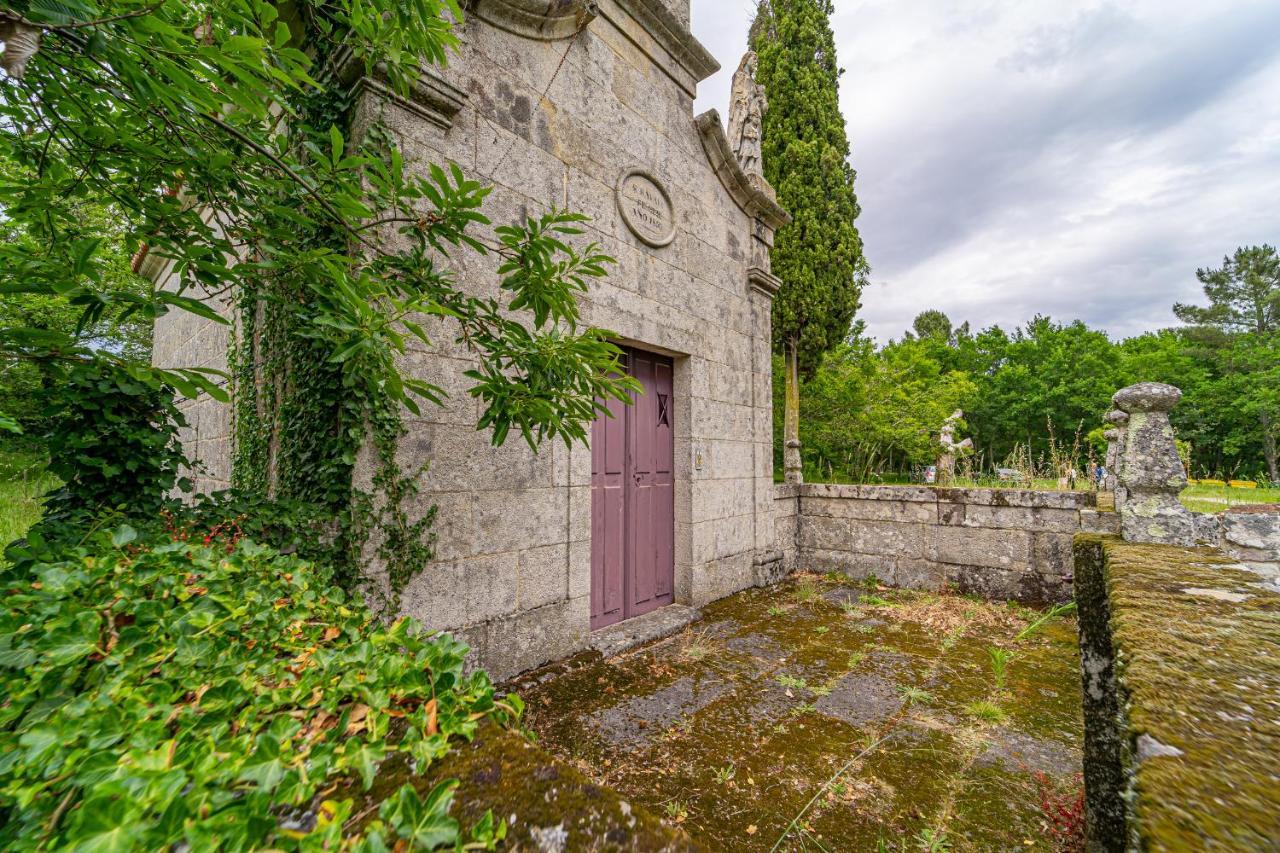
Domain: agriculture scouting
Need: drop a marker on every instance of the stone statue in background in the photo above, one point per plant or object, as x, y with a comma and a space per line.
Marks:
951, 450
747, 106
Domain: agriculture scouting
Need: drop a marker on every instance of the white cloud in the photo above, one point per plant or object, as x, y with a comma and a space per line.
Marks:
1071, 159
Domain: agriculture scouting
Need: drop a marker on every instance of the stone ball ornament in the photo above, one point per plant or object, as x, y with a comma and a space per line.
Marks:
1147, 397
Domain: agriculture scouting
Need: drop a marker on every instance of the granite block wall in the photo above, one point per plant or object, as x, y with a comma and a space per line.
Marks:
182, 339
996, 543
560, 121
552, 107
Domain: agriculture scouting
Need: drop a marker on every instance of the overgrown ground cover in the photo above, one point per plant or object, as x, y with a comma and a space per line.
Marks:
195, 690
822, 714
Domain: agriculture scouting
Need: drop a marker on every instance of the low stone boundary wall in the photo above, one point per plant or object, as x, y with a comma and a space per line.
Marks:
786, 523
1181, 696
996, 543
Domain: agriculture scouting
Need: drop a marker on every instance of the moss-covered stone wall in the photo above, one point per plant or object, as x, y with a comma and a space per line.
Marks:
1000, 544
1181, 671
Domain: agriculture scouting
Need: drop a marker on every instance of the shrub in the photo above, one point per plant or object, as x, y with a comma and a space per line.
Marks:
202, 693
113, 441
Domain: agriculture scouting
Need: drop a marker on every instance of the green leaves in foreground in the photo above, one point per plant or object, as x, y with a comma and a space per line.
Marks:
163, 693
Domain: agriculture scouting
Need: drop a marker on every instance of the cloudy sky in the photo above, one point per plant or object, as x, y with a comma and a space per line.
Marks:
1064, 157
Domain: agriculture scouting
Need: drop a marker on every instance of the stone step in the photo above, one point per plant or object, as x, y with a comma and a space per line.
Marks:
630, 633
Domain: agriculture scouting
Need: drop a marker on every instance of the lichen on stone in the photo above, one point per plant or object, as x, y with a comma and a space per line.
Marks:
1199, 675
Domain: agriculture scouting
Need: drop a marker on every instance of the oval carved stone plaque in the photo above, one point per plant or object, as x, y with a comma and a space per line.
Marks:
646, 208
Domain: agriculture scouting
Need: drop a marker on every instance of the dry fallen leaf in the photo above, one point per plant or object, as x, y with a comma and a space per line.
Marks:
751, 830
432, 725
355, 723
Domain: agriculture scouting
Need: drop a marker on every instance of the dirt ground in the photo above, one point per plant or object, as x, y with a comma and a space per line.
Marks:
824, 714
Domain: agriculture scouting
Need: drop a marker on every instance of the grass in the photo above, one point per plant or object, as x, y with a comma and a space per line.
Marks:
999, 664
806, 590
23, 480
987, 711
1218, 498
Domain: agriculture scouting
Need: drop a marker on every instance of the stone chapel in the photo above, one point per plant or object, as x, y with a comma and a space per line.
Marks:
587, 106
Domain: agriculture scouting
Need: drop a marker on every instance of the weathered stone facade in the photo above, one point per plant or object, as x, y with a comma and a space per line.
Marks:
186, 340
996, 543
585, 106
560, 108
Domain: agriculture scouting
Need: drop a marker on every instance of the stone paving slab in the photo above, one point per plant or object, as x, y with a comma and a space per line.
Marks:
830, 715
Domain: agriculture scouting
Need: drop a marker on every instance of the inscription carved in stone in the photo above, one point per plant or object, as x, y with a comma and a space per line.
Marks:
646, 208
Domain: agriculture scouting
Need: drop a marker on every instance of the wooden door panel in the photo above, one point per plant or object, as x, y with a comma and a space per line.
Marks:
608, 516
633, 498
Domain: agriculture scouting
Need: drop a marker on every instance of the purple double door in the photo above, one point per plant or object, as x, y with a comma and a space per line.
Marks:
633, 498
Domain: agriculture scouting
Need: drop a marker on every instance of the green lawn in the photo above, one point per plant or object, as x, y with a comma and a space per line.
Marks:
22, 481
1218, 498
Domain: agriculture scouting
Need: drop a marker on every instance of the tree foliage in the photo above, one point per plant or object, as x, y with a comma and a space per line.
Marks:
220, 135
218, 132
818, 255
1239, 330
870, 410
865, 411
1244, 293
24, 388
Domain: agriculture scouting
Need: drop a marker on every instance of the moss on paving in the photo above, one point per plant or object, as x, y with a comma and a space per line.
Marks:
546, 804
1201, 675
735, 727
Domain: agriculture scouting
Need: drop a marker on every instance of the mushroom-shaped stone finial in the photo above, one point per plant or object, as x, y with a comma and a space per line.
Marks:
1117, 417
1147, 397
1149, 471
1111, 434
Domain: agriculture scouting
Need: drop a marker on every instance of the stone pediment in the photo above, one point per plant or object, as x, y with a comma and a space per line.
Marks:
751, 193
674, 37
652, 27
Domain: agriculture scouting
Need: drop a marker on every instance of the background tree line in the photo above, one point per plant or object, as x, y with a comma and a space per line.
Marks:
872, 410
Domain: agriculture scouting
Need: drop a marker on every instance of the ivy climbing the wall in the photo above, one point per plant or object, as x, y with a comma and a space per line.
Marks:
221, 132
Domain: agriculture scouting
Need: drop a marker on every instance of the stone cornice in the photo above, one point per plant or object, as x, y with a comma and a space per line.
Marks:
764, 281
544, 20
431, 97
755, 197
674, 37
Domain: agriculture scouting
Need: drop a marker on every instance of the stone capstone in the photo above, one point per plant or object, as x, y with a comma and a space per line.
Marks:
1147, 397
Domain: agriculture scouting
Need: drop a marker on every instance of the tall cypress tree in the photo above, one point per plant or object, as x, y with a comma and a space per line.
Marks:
806, 159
